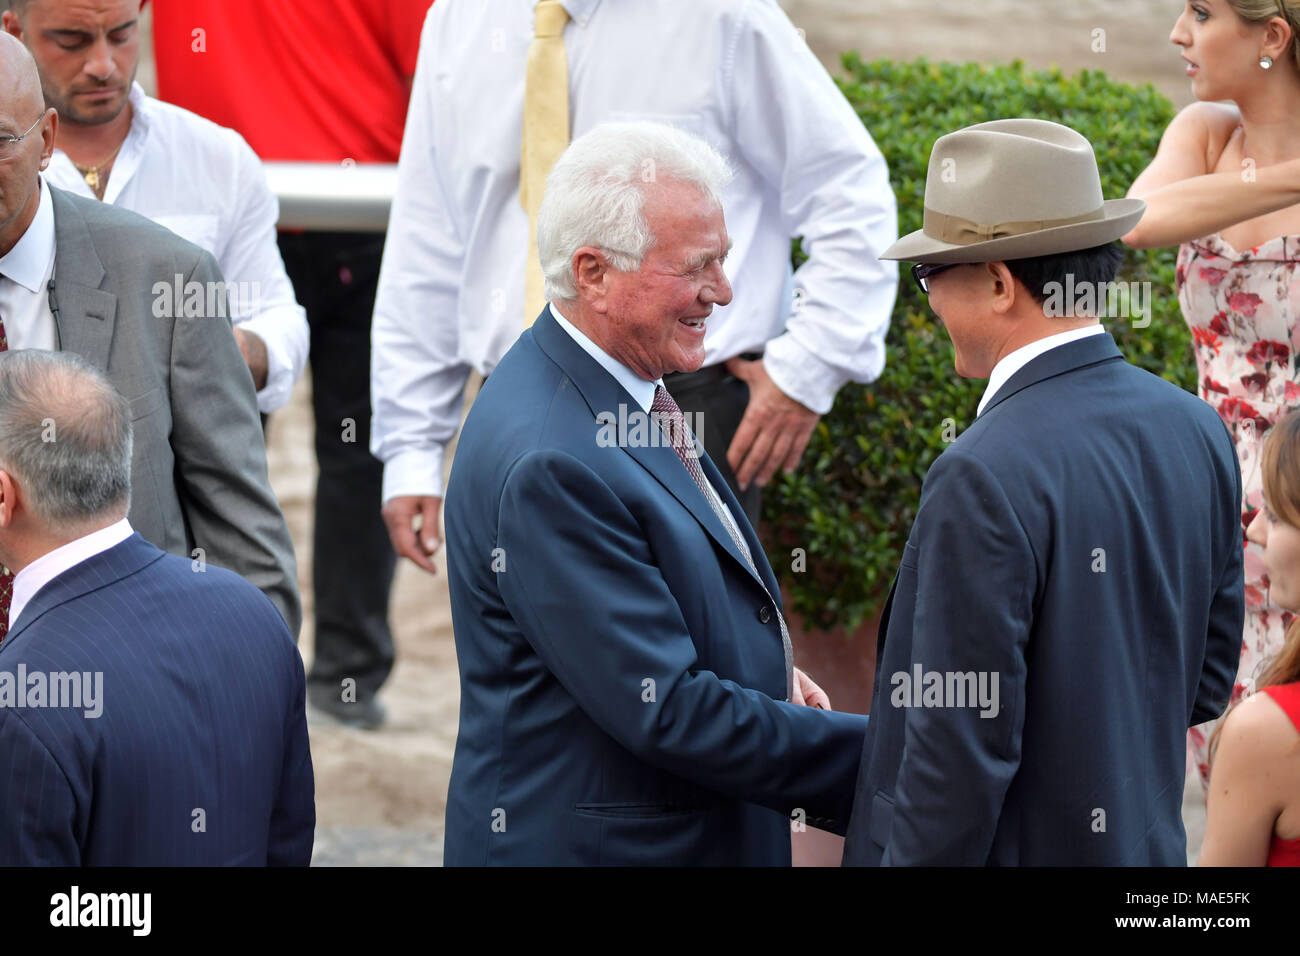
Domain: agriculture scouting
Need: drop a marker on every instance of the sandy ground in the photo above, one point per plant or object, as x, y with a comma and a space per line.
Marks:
381, 795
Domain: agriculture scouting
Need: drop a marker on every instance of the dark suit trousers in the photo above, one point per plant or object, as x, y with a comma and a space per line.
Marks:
334, 276
717, 399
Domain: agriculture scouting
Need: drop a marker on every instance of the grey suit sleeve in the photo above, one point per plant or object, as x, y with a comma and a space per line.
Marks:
220, 455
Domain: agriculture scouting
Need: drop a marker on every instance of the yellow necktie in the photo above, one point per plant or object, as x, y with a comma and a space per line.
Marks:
546, 132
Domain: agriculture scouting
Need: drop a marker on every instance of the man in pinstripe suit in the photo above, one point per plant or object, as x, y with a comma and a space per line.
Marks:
151, 708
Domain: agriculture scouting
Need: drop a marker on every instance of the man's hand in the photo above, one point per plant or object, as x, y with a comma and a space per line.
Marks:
254, 351
419, 542
774, 432
808, 694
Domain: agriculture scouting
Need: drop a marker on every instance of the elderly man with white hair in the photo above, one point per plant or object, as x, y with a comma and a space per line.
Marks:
627, 689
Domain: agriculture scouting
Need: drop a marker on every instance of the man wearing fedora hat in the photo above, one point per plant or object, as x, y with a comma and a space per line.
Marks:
1070, 597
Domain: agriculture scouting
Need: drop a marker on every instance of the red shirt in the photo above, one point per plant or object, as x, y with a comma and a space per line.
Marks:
1287, 696
322, 81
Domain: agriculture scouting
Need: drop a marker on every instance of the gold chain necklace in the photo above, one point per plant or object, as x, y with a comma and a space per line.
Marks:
91, 173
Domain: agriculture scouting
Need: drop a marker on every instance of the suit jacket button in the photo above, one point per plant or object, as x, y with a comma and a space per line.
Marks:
764, 614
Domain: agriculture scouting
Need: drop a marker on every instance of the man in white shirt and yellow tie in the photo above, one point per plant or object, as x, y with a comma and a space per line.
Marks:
499, 91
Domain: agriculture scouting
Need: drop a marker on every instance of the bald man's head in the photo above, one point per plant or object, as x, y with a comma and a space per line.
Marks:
20, 83
27, 131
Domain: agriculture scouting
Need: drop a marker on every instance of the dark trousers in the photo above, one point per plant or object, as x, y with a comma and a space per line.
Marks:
716, 399
335, 276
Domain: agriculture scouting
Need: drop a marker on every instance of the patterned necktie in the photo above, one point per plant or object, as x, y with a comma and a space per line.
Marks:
546, 133
671, 421
6, 579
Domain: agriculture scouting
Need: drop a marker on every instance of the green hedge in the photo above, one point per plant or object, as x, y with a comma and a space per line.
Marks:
851, 503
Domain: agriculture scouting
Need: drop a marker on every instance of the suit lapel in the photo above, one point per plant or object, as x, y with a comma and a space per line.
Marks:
85, 313
602, 393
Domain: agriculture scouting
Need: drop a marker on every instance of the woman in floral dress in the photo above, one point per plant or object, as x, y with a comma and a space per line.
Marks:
1225, 187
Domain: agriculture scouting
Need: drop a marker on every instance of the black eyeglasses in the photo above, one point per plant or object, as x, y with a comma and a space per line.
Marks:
922, 271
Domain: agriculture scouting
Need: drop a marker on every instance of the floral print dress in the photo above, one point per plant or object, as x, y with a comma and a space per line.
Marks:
1244, 312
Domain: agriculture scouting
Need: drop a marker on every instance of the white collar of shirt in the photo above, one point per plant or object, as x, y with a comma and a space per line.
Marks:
633, 384
580, 11
28, 262
1013, 362
50, 565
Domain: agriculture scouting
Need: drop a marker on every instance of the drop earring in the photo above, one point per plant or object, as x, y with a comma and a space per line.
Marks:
1266, 62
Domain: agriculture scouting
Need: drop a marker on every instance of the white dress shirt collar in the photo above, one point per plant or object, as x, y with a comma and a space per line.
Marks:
580, 10
1013, 362
50, 565
633, 384
28, 262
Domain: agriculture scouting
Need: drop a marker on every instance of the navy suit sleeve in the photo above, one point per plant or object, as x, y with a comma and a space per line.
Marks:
1227, 612
583, 584
975, 584
38, 808
293, 820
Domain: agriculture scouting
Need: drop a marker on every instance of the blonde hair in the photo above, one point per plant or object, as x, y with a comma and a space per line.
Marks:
1261, 11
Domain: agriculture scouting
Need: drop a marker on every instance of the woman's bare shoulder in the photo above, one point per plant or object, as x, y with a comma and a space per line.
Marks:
1211, 126
1260, 727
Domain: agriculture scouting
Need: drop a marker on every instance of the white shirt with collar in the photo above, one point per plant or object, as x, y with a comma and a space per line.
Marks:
50, 565
735, 72
24, 283
642, 392
204, 183
1013, 362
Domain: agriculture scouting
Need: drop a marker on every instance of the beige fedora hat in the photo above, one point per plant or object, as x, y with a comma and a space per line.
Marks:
1012, 189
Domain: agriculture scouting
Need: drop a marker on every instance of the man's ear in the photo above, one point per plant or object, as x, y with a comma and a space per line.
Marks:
48, 134
12, 24
8, 499
1004, 287
591, 277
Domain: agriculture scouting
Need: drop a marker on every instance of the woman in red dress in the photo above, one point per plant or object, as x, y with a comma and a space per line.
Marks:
1253, 805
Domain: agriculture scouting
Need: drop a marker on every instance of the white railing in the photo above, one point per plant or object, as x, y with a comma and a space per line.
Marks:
328, 197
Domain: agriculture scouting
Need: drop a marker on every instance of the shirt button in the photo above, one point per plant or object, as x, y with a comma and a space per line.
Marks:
764, 614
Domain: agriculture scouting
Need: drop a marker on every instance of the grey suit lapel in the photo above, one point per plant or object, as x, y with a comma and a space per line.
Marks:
83, 312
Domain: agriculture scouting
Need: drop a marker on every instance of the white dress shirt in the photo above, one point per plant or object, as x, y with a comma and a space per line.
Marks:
735, 72
24, 283
643, 393
53, 563
1013, 362
204, 183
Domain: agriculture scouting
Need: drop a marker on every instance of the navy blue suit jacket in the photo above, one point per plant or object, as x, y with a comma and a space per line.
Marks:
1082, 542
199, 754
622, 676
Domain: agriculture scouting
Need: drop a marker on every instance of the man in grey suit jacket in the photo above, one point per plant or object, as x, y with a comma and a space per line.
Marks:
148, 308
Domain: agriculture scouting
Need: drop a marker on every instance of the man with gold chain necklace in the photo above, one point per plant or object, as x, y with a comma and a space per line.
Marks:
200, 180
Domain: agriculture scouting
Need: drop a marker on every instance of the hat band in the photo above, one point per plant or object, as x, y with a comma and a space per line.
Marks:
964, 232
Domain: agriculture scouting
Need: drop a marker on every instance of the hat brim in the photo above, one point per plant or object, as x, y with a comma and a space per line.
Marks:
1119, 216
